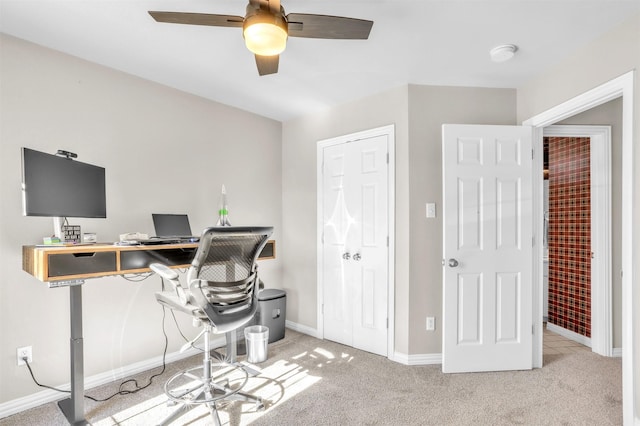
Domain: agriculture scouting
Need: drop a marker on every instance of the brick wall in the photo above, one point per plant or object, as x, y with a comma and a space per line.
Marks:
569, 234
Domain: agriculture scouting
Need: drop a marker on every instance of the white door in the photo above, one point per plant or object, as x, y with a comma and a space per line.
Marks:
487, 253
354, 243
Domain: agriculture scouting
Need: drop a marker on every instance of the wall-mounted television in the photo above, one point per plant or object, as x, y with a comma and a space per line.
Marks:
58, 186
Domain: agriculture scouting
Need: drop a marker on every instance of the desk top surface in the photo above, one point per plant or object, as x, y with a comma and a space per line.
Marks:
87, 248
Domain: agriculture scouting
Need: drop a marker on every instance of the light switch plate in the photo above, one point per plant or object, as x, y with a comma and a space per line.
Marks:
431, 210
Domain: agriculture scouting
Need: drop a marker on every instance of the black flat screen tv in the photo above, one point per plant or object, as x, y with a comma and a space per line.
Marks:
55, 186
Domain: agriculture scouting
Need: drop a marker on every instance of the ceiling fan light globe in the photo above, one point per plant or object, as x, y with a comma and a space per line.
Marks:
265, 39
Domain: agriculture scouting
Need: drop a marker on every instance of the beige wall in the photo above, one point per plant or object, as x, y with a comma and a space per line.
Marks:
418, 113
299, 138
429, 108
606, 58
164, 151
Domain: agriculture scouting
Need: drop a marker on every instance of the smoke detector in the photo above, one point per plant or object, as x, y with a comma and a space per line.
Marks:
503, 53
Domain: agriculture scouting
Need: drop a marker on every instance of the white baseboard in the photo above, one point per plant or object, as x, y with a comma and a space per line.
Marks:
301, 328
34, 400
419, 359
617, 353
583, 340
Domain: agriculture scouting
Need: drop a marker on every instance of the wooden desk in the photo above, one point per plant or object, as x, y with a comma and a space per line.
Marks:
67, 263
69, 266
60, 265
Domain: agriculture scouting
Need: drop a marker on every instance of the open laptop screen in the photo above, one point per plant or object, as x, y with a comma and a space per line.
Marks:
171, 225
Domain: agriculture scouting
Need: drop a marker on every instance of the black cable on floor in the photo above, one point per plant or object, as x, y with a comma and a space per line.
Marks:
121, 391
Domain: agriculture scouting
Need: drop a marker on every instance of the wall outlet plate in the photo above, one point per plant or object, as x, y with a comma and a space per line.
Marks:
26, 351
431, 323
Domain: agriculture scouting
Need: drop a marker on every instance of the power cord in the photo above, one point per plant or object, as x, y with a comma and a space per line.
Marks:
121, 391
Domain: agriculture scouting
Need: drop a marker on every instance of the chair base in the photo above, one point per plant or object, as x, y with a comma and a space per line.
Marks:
191, 389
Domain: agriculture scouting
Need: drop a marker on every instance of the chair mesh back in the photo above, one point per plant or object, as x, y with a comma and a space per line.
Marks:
223, 275
225, 251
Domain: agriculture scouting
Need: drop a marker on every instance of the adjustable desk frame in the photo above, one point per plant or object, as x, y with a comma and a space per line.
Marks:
69, 266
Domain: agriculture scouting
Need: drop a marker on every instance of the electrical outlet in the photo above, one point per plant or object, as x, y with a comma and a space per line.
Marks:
21, 353
431, 323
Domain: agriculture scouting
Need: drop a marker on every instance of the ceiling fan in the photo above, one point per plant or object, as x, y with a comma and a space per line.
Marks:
265, 28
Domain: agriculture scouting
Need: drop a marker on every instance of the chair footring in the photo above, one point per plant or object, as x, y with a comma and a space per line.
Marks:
194, 386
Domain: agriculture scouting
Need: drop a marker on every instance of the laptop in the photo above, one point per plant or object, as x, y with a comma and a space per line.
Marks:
172, 228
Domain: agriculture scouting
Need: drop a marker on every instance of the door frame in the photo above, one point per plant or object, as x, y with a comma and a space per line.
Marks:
388, 131
622, 86
601, 341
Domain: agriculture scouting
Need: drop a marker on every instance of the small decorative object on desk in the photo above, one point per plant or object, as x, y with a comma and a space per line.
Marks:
51, 240
71, 233
223, 219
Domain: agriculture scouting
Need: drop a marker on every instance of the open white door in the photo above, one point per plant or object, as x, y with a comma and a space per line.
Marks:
487, 248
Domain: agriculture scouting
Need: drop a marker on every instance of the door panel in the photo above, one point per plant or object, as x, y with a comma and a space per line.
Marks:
487, 248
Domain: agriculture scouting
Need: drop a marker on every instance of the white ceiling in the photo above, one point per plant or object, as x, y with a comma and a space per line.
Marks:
412, 41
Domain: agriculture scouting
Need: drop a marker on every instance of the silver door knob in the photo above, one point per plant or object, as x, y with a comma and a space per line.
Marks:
453, 263
346, 256
357, 257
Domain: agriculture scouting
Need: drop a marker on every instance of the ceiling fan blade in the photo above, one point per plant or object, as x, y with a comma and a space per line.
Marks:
324, 26
267, 64
197, 19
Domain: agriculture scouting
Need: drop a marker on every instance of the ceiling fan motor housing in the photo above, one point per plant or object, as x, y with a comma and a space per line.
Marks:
265, 32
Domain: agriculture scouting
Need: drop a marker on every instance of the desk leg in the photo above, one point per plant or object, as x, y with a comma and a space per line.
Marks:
73, 408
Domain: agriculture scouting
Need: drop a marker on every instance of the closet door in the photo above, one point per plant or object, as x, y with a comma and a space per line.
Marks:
354, 243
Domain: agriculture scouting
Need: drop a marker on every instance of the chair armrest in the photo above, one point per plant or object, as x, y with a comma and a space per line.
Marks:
171, 276
164, 271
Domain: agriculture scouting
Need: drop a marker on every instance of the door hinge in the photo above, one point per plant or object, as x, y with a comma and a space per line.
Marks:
387, 322
387, 158
533, 329
533, 241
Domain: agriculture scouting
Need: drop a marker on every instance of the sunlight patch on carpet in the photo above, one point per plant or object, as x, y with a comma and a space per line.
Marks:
275, 384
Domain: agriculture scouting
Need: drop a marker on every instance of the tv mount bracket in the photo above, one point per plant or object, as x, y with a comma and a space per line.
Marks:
67, 154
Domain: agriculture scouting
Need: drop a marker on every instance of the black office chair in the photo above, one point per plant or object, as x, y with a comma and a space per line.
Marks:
222, 296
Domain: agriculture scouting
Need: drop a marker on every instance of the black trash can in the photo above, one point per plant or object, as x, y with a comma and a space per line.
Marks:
272, 311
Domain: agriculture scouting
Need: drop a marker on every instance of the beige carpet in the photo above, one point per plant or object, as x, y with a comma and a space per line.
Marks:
314, 382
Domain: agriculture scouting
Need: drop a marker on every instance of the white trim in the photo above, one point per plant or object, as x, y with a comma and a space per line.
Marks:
571, 335
39, 398
301, 328
537, 192
418, 359
622, 86
388, 131
617, 353
601, 298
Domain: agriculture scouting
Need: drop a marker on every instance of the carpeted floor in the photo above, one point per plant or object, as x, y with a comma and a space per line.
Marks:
317, 382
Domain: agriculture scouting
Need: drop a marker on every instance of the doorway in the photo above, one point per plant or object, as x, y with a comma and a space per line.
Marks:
580, 274
620, 87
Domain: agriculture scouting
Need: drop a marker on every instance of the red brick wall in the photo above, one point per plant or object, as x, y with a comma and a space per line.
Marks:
569, 234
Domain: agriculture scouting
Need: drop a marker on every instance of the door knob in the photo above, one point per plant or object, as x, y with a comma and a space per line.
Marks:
357, 257
346, 256
453, 263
